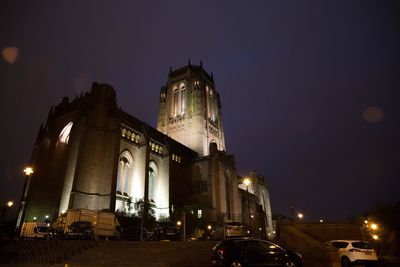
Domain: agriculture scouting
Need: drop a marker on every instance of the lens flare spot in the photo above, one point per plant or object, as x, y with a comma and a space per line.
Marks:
10, 54
372, 114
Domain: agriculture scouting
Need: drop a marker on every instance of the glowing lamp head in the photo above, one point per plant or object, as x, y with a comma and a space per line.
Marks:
28, 170
179, 223
246, 181
374, 226
375, 237
209, 227
300, 215
10, 204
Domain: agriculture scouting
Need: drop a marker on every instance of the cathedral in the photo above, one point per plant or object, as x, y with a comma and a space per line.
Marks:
91, 154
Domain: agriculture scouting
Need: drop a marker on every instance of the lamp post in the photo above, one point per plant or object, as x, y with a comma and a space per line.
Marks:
28, 175
4, 211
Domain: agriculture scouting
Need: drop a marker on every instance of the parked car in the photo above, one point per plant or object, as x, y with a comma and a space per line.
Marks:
238, 252
133, 233
353, 252
80, 230
167, 233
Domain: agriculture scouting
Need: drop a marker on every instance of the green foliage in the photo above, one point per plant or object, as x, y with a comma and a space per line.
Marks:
145, 211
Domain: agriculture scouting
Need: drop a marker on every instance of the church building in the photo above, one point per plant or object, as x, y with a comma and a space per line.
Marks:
91, 154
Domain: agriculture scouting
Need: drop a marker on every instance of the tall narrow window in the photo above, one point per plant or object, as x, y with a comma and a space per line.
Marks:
179, 100
176, 102
64, 134
123, 175
183, 99
152, 181
210, 102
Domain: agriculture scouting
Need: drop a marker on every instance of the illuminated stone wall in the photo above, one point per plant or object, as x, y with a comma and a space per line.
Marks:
91, 154
190, 109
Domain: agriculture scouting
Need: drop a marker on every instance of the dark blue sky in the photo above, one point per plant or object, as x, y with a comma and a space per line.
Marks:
308, 88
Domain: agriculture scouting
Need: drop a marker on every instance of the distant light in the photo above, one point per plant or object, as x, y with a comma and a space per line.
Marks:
300, 215
63, 212
10, 204
372, 114
28, 171
252, 216
47, 216
178, 223
321, 221
248, 231
209, 227
374, 226
10, 54
366, 221
34, 218
260, 229
375, 237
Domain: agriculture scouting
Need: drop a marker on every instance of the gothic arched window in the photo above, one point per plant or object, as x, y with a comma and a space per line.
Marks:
65, 132
183, 98
124, 173
179, 101
153, 170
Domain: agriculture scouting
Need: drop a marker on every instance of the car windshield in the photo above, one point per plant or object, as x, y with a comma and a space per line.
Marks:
362, 245
42, 229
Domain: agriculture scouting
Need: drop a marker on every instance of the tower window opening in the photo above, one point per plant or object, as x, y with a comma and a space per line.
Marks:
179, 101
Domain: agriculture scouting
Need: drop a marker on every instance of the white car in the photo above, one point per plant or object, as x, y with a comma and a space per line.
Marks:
353, 252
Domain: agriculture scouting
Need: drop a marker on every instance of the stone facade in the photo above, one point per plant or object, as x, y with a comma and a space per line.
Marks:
91, 154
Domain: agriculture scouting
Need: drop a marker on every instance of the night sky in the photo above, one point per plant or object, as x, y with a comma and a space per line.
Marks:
308, 88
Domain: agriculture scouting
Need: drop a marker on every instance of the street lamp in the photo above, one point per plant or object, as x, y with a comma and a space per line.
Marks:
4, 210
300, 215
28, 173
247, 182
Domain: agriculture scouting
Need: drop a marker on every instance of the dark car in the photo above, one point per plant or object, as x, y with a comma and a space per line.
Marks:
167, 233
133, 233
80, 230
240, 252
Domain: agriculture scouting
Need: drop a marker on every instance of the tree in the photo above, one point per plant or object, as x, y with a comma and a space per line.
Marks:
145, 210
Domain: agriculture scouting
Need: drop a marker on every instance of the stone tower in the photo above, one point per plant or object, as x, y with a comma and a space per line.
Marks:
190, 109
